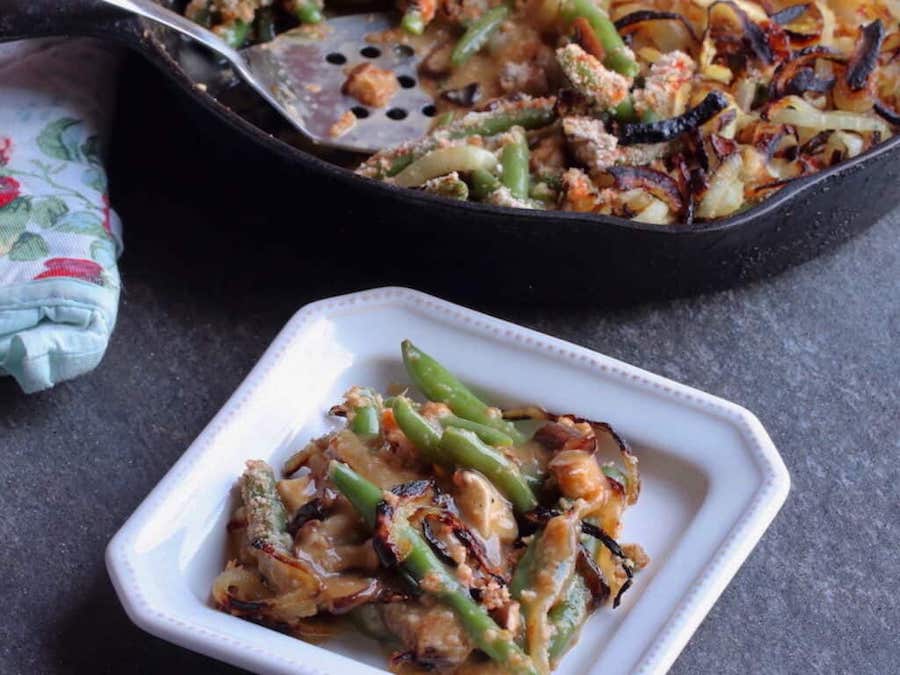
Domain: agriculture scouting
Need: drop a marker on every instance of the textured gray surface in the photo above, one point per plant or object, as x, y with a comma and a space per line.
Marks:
814, 353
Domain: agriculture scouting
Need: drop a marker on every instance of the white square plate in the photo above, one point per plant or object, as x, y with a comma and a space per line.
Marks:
712, 480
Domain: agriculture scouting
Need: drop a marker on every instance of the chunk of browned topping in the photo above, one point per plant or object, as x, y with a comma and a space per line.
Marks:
343, 124
637, 555
371, 85
432, 633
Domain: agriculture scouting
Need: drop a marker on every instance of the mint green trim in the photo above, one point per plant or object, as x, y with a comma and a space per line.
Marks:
54, 329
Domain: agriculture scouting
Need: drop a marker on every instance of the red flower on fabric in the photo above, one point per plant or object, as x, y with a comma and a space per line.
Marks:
5, 150
107, 225
72, 267
9, 190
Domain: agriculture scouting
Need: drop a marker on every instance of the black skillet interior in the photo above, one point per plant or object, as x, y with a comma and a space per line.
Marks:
476, 250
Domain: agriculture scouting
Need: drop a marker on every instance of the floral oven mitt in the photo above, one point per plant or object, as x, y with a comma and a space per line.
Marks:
59, 240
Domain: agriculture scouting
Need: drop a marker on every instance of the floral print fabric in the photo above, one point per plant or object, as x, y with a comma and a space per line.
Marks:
55, 219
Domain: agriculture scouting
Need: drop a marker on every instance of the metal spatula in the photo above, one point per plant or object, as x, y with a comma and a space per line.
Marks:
301, 76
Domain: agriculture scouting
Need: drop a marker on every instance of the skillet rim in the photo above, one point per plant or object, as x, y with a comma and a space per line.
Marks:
525, 217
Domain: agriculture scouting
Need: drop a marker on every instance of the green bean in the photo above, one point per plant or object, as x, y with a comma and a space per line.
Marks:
625, 112
363, 495
514, 161
443, 161
234, 33
265, 24
482, 184
478, 34
412, 22
524, 573
444, 119
416, 428
568, 615
466, 450
489, 435
420, 561
605, 90
266, 515
617, 56
548, 572
528, 115
308, 11
439, 384
366, 422
531, 114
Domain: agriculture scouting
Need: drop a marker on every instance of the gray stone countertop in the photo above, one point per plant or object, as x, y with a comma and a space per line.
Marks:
814, 353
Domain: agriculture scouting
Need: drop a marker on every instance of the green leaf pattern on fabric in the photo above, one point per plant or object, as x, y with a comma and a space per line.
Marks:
29, 246
57, 209
47, 210
15, 214
103, 251
8, 236
59, 140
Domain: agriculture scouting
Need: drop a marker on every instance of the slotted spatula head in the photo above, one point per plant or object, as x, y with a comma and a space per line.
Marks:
304, 71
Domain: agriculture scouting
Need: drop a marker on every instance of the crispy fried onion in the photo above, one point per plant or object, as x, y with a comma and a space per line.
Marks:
419, 503
659, 184
612, 545
865, 55
798, 75
591, 572
634, 21
734, 33
315, 509
670, 129
855, 91
587, 567
242, 591
804, 24
557, 437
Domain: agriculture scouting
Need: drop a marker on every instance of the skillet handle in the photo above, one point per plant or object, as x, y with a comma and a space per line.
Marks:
39, 18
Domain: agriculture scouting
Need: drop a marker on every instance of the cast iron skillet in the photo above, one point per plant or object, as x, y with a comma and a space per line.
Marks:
513, 254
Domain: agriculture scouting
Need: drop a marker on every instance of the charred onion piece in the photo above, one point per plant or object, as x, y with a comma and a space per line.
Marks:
465, 96
865, 56
593, 578
797, 75
754, 37
892, 116
312, 510
625, 586
642, 15
413, 489
788, 14
440, 548
385, 547
555, 436
667, 130
597, 532
614, 548
659, 184
366, 594
385, 514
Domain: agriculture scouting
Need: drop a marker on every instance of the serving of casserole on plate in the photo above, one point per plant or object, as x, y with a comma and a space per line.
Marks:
711, 478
